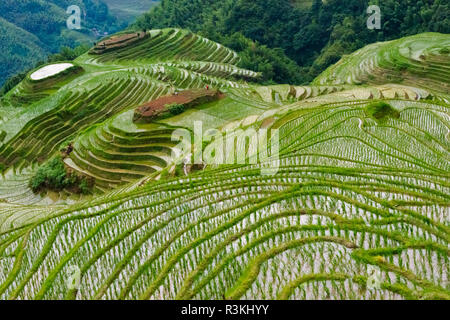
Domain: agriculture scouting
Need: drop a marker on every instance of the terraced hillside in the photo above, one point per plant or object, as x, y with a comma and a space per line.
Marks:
354, 205
37, 117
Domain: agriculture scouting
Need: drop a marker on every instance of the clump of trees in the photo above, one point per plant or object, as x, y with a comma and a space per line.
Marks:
54, 176
381, 110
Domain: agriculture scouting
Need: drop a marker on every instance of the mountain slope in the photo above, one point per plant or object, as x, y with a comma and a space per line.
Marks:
422, 59
314, 34
46, 21
55, 111
20, 49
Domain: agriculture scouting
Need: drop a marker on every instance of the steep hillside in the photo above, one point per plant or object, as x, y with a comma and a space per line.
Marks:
37, 28
422, 59
108, 83
310, 35
20, 49
349, 199
129, 10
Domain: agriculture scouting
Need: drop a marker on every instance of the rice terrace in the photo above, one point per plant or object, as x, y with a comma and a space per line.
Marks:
98, 200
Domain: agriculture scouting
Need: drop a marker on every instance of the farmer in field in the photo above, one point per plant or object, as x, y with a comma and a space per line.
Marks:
69, 149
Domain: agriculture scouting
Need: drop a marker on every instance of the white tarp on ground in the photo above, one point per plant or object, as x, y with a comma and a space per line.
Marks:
50, 70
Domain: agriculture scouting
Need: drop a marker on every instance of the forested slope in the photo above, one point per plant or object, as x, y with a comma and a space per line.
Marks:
37, 28
313, 34
19, 48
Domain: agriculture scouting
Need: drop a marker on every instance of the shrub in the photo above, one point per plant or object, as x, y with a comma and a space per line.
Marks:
175, 109
381, 109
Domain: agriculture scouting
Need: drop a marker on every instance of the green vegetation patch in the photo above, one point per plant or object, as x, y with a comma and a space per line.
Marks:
381, 110
54, 176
